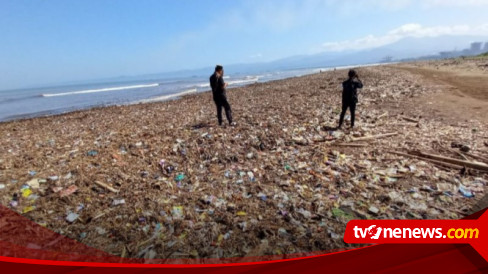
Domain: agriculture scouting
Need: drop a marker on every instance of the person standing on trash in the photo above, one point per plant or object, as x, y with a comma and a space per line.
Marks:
219, 94
350, 96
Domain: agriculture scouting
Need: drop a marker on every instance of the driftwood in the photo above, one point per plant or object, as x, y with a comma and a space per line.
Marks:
480, 158
453, 151
382, 115
107, 187
351, 145
367, 138
453, 166
410, 120
405, 124
470, 164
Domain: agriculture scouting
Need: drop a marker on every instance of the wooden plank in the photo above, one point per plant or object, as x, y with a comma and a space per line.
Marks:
410, 120
351, 145
367, 138
453, 166
470, 164
107, 187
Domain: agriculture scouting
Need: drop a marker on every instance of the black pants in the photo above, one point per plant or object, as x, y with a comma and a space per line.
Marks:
220, 102
352, 107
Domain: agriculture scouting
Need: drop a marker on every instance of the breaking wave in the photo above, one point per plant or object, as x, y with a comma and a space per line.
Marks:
98, 90
166, 97
247, 80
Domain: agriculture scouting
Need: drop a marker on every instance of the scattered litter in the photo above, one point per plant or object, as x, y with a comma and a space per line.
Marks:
118, 202
180, 177
80, 207
26, 192
465, 192
28, 209
72, 217
177, 212
373, 210
107, 187
92, 153
67, 192
282, 180
34, 183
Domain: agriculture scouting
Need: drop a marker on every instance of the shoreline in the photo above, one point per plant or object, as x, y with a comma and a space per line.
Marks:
172, 96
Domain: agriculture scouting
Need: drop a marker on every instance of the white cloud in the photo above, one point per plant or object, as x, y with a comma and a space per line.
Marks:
408, 30
287, 14
454, 3
348, 7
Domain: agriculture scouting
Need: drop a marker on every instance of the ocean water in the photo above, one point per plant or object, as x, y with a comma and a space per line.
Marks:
27, 103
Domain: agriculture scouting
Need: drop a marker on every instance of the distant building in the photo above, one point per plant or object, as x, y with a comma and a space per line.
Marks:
476, 47
485, 49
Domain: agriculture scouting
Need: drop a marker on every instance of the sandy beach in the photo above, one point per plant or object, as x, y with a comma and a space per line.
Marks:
162, 180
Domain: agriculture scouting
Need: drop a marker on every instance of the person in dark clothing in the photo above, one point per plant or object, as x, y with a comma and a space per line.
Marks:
350, 96
219, 94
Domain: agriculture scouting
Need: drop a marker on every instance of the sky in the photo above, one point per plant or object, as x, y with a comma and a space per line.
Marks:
54, 41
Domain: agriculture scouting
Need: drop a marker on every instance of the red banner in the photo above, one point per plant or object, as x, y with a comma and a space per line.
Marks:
28, 247
473, 232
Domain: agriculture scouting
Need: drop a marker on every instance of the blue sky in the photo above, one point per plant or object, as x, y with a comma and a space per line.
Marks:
52, 41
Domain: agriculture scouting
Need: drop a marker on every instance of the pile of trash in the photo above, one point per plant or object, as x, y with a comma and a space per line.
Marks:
162, 180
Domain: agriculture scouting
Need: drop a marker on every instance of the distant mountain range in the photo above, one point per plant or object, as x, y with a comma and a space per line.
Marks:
407, 48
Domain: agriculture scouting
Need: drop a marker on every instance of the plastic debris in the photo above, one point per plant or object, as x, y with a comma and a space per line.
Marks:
72, 217
80, 207
465, 192
28, 209
262, 196
180, 177
100, 230
26, 192
68, 191
118, 202
177, 212
34, 183
282, 180
92, 153
373, 210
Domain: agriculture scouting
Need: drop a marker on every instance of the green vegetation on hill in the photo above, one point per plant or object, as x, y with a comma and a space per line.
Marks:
481, 56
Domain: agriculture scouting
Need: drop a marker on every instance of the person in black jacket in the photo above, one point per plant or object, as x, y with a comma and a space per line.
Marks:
350, 96
219, 94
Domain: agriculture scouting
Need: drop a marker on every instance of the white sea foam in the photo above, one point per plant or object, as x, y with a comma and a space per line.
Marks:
165, 97
99, 90
247, 80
